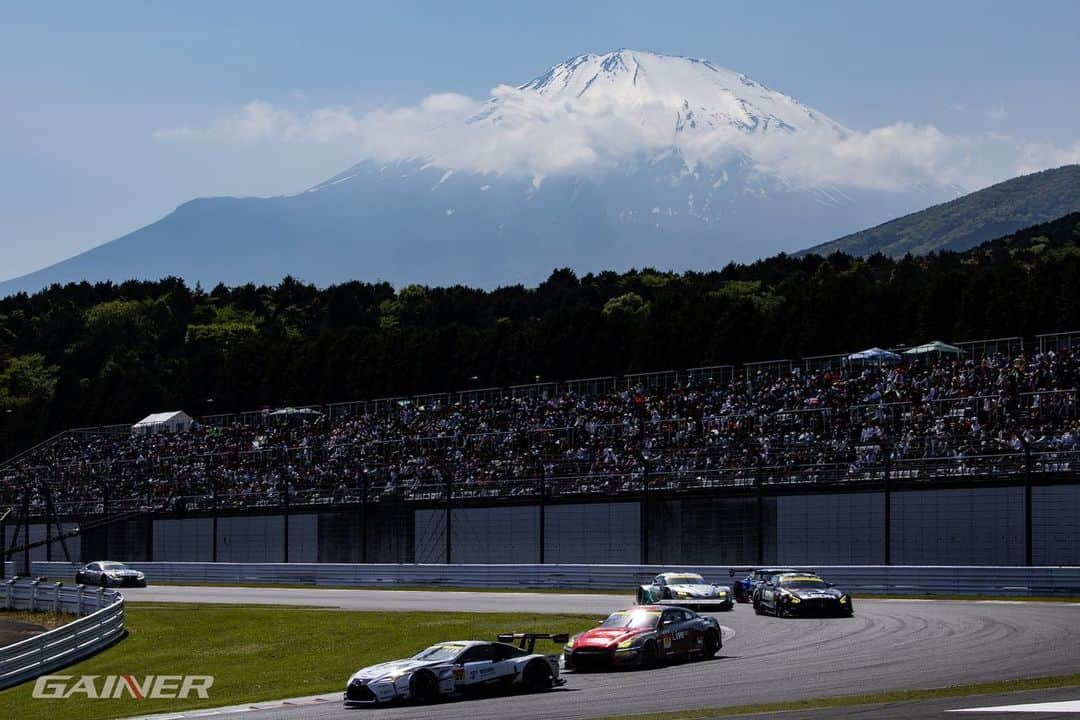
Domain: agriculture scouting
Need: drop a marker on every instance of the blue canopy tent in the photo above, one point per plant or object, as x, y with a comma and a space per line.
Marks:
874, 356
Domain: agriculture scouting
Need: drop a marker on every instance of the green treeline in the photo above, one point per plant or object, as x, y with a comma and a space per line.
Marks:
96, 354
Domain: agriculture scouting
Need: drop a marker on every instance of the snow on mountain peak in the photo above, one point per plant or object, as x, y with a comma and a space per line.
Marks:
685, 94
599, 112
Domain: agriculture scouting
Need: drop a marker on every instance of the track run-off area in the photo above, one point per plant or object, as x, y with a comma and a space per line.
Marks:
890, 645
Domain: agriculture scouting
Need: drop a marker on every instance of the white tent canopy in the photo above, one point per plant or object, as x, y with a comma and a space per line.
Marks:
937, 347
172, 421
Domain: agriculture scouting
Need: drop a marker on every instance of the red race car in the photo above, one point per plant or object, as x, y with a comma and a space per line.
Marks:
643, 636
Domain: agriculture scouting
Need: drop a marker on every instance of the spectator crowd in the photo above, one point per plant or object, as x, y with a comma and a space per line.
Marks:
934, 415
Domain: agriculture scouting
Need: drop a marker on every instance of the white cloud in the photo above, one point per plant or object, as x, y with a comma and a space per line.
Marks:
996, 113
516, 134
259, 121
1035, 156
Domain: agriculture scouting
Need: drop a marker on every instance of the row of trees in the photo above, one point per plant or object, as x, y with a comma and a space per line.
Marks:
95, 354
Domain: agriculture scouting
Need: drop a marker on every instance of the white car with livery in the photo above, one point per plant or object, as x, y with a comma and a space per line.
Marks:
688, 590
456, 667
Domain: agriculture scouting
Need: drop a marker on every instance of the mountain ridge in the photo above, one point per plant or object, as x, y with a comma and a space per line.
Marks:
971, 220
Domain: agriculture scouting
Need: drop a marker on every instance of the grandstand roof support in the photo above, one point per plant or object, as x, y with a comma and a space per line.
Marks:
887, 540
3, 534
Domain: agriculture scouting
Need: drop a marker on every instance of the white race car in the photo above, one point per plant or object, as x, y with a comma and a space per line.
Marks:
687, 590
455, 667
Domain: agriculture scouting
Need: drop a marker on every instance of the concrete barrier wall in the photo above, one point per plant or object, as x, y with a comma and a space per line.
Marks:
37, 533
832, 529
1055, 524
969, 526
954, 526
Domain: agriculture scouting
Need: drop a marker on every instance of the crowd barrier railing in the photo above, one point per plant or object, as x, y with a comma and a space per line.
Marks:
859, 579
99, 623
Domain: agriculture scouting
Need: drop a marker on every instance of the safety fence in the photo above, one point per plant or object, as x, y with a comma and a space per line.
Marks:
99, 623
867, 579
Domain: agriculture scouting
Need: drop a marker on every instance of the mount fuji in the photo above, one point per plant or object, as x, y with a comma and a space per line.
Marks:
610, 161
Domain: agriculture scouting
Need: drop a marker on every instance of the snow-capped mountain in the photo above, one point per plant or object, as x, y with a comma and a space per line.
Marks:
610, 161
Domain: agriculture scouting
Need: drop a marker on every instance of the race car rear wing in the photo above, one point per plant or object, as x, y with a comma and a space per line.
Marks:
527, 641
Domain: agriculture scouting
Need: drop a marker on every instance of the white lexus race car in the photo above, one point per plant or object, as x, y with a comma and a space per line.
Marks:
455, 667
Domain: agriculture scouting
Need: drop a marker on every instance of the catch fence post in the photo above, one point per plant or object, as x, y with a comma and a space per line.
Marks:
1029, 553
759, 477
449, 490
543, 514
888, 509
285, 537
363, 513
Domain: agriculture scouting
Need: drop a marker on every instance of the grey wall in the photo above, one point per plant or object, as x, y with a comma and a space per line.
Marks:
707, 531
830, 529
304, 538
37, 533
495, 535
340, 537
429, 536
962, 526
1055, 525
184, 540
607, 533
251, 539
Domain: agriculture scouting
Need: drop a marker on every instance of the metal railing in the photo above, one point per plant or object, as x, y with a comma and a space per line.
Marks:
865, 579
99, 624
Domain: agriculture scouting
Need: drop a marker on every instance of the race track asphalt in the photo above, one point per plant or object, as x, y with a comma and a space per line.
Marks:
888, 645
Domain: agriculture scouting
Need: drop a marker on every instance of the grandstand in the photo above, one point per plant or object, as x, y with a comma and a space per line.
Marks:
1003, 412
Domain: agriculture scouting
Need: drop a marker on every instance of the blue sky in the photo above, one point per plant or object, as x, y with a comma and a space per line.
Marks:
93, 94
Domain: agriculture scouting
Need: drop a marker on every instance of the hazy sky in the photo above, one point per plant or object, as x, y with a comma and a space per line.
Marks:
111, 114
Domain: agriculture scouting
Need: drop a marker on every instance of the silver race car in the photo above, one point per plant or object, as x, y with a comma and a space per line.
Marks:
451, 668
687, 590
109, 574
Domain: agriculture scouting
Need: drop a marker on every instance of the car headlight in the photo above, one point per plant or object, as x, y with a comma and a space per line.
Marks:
626, 644
395, 674
573, 641
722, 593
793, 598
843, 599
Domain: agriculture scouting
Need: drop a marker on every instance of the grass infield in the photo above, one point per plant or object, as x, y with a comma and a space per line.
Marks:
264, 653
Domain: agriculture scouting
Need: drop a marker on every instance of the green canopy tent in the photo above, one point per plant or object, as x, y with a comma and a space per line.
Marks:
934, 348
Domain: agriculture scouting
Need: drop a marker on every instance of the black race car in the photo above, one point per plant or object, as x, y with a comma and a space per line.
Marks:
795, 594
109, 574
744, 587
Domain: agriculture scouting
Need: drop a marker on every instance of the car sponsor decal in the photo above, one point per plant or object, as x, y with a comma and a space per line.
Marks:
666, 640
459, 673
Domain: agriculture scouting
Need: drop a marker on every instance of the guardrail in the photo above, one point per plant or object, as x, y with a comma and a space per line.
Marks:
867, 579
100, 623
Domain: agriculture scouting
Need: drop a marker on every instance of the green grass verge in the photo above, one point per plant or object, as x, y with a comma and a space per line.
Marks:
263, 653
1007, 686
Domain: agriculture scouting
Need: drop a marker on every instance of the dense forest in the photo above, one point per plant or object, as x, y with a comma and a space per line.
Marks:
94, 354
